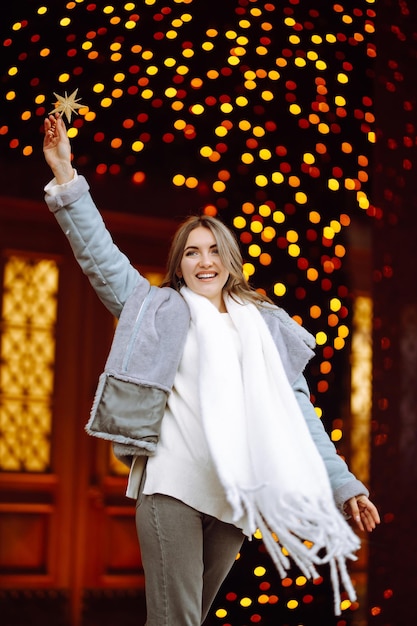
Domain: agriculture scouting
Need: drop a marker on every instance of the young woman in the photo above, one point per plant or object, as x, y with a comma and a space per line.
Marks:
203, 396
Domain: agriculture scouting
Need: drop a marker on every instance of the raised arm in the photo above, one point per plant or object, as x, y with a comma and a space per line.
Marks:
108, 269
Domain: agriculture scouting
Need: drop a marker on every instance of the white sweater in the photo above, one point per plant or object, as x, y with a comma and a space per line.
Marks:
182, 466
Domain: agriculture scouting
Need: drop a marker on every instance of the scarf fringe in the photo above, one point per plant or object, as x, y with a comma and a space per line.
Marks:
317, 539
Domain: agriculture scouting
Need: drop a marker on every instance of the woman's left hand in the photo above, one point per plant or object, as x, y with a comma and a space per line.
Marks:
363, 512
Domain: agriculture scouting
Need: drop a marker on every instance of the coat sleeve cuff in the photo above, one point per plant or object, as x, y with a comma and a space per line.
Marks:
349, 490
59, 196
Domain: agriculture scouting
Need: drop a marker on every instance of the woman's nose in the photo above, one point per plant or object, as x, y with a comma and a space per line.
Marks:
205, 260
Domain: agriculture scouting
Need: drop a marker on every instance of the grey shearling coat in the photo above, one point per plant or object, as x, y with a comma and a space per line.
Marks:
153, 322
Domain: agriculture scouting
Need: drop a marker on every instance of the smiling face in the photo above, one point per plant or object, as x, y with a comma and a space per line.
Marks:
201, 267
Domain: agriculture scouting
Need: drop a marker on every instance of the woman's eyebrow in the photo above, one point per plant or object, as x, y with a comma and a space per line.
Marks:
214, 245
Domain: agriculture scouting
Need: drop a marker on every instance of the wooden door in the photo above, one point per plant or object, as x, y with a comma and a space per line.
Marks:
67, 535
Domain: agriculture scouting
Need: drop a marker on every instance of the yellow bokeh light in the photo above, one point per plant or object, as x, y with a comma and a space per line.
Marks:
309, 158
277, 178
261, 180
321, 338
268, 96
300, 62
294, 250
345, 604
197, 109
248, 269
339, 343
258, 131
328, 233
256, 226
278, 217
265, 154
301, 197
254, 250
233, 60
265, 211
324, 128
206, 151
221, 131
295, 109
242, 101
178, 180
269, 233
335, 304
259, 571
239, 222
247, 158
336, 435
340, 101
226, 107
292, 604
250, 85
138, 146
343, 331
342, 78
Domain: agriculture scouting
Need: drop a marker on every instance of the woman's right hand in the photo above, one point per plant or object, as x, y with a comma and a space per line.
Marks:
57, 149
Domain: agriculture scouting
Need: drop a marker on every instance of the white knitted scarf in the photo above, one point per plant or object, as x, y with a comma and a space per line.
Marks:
266, 459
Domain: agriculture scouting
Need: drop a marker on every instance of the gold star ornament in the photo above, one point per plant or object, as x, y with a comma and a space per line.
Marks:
67, 105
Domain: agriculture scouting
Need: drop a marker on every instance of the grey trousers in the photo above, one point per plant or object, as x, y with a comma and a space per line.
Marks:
186, 555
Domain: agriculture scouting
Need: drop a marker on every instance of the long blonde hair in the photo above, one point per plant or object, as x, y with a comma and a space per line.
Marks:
236, 285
